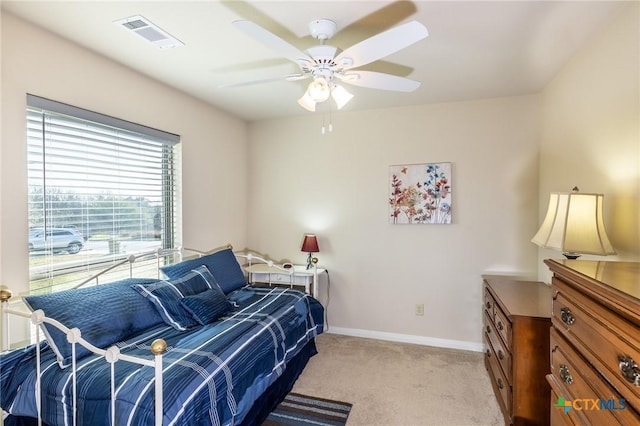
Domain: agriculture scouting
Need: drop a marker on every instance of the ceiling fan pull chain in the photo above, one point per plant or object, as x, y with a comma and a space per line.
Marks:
330, 121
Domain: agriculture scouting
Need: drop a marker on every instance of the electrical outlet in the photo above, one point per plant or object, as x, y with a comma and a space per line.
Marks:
420, 310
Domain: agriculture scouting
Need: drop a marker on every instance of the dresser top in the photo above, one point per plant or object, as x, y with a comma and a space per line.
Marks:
613, 284
619, 277
522, 298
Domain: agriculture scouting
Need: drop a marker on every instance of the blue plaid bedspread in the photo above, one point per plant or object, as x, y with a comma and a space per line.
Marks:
212, 373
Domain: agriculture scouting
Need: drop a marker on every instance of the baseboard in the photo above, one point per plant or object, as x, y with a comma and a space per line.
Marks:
408, 338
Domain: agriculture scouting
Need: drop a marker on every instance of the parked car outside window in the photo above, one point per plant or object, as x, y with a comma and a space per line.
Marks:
56, 239
85, 235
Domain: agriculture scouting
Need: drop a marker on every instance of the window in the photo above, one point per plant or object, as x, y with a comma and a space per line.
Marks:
100, 189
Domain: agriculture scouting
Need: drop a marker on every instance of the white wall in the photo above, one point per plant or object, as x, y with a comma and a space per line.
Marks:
591, 132
337, 185
214, 148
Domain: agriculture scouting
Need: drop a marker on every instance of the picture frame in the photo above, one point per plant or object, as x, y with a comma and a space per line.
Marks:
420, 193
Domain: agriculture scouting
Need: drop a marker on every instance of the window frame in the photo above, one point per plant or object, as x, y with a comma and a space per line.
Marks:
169, 193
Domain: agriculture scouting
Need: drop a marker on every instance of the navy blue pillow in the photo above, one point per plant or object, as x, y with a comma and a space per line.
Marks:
167, 295
105, 314
223, 265
208, 306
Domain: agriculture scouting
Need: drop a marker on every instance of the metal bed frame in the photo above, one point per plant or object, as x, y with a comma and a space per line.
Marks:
111, 354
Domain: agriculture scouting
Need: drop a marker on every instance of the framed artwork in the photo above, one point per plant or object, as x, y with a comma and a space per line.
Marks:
420, 193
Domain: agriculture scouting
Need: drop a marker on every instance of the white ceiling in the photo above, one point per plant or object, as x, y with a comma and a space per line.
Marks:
475, 49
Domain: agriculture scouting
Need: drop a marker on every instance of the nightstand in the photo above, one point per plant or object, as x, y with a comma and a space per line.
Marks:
295, 276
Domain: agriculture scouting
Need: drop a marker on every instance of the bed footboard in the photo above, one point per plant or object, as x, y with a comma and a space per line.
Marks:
110, 355
74, 337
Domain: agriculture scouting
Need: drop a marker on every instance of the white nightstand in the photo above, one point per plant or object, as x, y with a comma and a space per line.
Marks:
296, 276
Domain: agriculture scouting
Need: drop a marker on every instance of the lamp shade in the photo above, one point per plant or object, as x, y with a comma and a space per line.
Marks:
319, 89
310, 244
307, 102
574, 225
340, 95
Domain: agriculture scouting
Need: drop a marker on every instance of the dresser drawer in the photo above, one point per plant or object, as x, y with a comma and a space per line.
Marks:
608, 342
499, 382
489, 303
281, 278
503, 326
498, 317
593, 400
501, 352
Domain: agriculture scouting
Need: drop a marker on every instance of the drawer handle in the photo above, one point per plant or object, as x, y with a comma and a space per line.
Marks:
565, 374
629, 369
500, 326
488, 353
500, 384
488, 305
500, 354
488, 329
567, 316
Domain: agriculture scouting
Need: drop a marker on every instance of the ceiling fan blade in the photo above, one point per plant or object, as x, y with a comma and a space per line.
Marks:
272, 41
290, 77
381, 45
378, 80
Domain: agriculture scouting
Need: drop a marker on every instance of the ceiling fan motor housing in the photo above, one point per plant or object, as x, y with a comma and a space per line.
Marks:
323, 64
322, 29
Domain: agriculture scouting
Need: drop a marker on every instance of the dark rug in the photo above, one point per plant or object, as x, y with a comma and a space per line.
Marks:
302, 410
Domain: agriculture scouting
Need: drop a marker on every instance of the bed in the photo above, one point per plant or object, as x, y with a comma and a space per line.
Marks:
200, 346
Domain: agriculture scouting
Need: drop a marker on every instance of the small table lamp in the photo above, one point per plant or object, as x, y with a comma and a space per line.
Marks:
310, 245
574, 225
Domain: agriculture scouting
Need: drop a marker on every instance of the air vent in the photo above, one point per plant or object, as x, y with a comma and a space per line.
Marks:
150, 32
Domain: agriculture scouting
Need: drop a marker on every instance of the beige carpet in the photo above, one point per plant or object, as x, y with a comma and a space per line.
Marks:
392, 383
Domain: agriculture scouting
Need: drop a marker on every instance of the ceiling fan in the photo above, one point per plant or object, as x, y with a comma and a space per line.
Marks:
326, 64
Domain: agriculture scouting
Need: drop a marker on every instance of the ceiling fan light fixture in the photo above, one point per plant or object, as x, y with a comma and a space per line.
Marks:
319, 90
340, 95
307, 102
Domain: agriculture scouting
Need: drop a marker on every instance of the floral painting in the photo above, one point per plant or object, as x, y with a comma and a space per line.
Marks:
420, 193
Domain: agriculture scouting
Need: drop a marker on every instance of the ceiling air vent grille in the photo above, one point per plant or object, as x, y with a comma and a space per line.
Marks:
150, 32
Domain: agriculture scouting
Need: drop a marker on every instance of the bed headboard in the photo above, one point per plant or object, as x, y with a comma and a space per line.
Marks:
126, 268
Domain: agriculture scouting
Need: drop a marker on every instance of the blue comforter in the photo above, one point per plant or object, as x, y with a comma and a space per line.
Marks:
212, 373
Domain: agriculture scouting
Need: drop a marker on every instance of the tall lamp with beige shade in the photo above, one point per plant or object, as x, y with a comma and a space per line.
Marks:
574, 225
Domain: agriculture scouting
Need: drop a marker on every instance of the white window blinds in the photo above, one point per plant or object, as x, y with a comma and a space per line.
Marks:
109, 182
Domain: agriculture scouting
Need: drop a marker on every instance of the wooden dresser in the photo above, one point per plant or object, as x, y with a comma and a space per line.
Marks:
595, 343
516, 334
